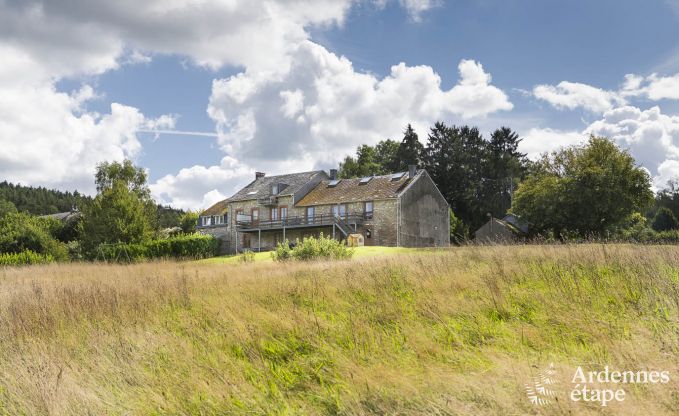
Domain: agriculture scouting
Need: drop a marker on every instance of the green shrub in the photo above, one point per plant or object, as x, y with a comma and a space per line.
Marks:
24, 258
248, 256
23, 232
312, 248
283, 251
192, 246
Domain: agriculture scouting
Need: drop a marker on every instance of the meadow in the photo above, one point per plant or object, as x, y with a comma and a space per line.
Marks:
459, 331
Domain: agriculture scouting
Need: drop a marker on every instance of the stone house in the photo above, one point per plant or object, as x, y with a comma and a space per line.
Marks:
402, 209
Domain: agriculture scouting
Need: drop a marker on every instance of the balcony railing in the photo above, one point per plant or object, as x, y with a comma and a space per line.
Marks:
243, 223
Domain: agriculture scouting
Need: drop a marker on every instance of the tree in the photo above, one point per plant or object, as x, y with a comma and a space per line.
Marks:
365, 164
410, 150
134, 178
505, 166
122, 211
7, 207
386, 156
188, 221
584, 190
664, 220
454, 158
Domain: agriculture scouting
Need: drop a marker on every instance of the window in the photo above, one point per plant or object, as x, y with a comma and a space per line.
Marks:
218, 219
274, 189
368, 208
365, 180
274, 214
397, 176
239, 214
284, 213
333, 183
339, 210
255, 214
310, 211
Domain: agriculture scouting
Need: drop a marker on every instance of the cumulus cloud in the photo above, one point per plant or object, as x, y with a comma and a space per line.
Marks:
545, 140
571, 95
321, 102
292, 103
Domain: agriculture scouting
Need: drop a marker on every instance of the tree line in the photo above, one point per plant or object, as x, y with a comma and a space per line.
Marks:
476, 176
594, 190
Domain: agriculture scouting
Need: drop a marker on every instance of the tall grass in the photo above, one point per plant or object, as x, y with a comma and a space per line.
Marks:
441, 332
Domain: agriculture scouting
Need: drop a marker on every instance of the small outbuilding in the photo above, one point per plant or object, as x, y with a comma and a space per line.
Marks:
509, 229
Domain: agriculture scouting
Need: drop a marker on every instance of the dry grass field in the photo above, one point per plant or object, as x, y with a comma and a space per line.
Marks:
460, 331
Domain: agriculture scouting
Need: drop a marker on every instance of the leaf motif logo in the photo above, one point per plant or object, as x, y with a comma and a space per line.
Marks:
541, 391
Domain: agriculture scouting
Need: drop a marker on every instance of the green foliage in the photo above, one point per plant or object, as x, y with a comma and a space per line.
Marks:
169, 217
123, 211
455, 159
585, 191
22, 232
189, 221
311, 248
410, 151
664, 220
194, 246
283, 252
24, 258
458, 231
247, 256
40, 201
111, 173
7, 207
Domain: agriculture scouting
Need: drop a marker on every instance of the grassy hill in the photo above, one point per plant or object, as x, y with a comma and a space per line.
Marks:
459, 332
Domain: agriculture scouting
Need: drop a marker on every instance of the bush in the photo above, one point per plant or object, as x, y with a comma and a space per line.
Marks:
24, 258
283, 252
247, 256
312, 248
192, 246
664, 220
22, 232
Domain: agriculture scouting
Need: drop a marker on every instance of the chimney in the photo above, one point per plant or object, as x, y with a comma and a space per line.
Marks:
333, 174
259, 175
412, 170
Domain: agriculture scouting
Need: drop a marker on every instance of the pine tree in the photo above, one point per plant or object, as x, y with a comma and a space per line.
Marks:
410, 150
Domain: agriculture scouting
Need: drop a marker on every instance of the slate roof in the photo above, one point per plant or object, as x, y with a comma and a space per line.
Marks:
64, 216
217, 209
260, 188
350, 190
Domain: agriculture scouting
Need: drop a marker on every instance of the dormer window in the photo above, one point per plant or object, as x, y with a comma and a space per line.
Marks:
275, 188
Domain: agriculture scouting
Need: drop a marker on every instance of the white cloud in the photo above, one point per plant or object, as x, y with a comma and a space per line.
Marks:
540, 140
200, 186
571, 95
322, 103
416, 7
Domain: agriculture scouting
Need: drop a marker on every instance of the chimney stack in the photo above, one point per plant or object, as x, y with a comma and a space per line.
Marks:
333, 174
412, 170
259, 175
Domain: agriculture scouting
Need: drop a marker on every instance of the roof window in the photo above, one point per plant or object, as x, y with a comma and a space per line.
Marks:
397, 176
365, 180
333, 183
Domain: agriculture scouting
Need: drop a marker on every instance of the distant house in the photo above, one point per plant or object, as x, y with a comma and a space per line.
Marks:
65, 217
505, 230
401, 209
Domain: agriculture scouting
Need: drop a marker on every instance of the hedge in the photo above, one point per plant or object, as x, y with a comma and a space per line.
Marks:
192, 246
24, 258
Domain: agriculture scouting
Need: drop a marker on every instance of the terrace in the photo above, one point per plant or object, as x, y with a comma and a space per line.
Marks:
346, 223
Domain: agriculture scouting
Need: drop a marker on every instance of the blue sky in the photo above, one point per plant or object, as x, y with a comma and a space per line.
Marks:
296, 84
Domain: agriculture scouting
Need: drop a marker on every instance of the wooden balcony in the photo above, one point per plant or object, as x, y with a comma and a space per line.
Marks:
323, 220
